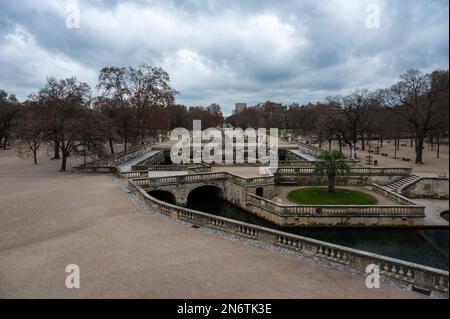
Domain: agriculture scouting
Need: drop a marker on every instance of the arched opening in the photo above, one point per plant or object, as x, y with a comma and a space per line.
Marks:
203, 193
260, 192
165, 196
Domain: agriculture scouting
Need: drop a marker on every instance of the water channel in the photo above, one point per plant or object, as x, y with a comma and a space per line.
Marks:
423, 246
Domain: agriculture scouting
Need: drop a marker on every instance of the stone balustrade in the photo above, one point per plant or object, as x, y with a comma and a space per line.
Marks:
411, 274
133, 174
203, 178
353, 171
285, 210
190, 168
309, 149
117, 158
391, 195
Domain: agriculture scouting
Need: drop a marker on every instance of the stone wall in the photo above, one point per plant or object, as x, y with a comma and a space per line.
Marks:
291, 215
428, 188
315, 180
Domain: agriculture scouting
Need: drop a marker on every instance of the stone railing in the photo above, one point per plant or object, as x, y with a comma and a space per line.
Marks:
295, 163
354, 171
156, 159
405, 272
203, 178
391, 195
406, 210
117, 158
132, 174
309, 149
159, 168
190, 168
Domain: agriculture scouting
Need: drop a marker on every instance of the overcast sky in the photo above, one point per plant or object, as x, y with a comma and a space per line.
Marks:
225, 51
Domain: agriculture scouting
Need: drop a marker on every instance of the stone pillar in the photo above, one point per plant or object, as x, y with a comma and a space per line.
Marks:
181, 198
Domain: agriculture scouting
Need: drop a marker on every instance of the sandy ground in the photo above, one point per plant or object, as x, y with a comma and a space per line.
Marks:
51, 219
432, 164
283, 191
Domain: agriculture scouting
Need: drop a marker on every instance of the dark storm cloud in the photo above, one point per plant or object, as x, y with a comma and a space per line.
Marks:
226, 51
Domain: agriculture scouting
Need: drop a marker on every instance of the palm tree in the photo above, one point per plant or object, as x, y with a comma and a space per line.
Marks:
331, 163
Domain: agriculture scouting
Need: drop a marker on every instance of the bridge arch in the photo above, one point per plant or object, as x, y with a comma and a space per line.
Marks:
163, 195
260, 191
205, 191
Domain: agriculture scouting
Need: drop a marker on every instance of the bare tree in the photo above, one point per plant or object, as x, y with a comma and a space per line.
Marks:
143, 88
416, 99
64, 102
31, 130
9, 113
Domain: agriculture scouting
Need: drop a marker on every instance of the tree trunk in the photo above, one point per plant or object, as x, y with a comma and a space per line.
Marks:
56, 156
5, 140
340, 144
437, 146
63, 163
411, 142
111, 146
329, 145
363, 146
395, 148
331, 183
419, 149
35, 156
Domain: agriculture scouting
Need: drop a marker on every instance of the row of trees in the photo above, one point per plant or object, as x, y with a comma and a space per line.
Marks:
415, 107
135, 105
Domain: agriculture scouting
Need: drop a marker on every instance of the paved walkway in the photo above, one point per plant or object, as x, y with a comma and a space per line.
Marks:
304, 155
126, 167
51, 219
432, 164
433, 210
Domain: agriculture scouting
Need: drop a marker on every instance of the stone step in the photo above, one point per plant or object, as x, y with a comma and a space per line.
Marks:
401, 183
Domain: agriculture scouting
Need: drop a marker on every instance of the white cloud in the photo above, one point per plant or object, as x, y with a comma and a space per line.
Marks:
33, 64
225, 52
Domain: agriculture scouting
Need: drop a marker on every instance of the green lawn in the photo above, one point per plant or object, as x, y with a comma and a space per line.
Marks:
321, 196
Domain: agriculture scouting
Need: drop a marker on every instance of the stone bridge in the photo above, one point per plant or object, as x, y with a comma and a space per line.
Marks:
230, 187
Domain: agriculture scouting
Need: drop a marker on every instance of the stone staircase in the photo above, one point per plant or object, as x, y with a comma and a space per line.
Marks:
401, 183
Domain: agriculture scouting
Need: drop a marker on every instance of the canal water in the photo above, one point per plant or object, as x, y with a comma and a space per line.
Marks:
423, 246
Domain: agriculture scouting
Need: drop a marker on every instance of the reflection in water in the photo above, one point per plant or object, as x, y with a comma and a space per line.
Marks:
427, 247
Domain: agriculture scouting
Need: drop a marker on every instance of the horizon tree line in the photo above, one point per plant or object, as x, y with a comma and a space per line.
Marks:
137, 103
415, 108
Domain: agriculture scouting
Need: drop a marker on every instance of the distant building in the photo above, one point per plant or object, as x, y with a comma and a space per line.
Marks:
239, 107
